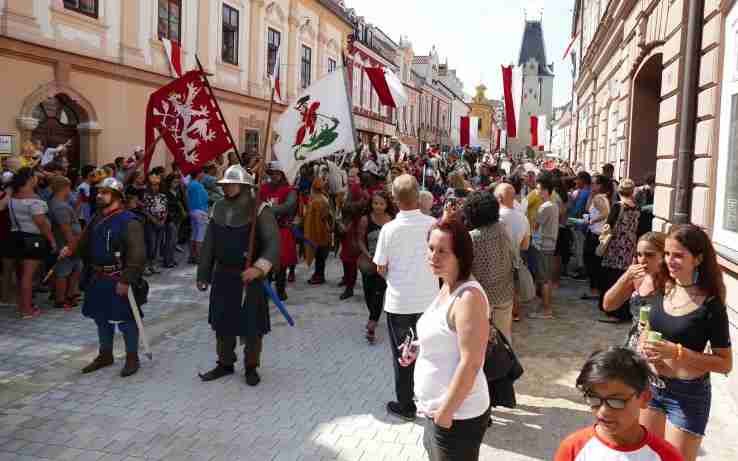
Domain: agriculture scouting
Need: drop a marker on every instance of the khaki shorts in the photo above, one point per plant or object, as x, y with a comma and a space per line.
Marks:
545, 267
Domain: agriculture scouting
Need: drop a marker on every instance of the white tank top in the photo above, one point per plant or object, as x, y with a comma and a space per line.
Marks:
438, 358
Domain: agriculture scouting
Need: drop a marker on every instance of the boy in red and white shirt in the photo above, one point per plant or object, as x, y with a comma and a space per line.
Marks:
616, 386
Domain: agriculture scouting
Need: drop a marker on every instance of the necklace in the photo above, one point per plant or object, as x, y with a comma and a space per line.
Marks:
685, 286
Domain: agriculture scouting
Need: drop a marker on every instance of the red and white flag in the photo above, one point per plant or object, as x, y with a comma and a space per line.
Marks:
174, 54
534, 131
275, 76
465, 131
571, 44
507, 77
389, 88
186, 116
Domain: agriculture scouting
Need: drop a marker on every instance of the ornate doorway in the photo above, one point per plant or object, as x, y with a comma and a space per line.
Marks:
645, 119
57, 124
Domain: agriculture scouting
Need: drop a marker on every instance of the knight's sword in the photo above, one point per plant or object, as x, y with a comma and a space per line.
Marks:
139, 322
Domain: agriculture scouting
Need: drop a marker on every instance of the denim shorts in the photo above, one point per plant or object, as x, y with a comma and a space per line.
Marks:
65, 267
199, 221
686, 402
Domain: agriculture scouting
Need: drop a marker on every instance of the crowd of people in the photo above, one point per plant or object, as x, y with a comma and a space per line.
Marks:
453, 247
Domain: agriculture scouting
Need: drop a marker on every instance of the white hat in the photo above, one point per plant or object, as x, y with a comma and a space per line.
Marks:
7, 177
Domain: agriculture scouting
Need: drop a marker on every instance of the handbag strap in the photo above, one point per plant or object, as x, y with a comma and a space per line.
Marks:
13, 219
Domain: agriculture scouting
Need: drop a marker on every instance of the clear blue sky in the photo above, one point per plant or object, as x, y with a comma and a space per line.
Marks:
476, 36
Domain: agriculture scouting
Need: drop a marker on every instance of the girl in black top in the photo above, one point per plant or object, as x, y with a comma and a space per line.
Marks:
690, 314
380, 212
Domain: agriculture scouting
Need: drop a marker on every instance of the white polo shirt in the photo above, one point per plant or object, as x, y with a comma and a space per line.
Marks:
402, 247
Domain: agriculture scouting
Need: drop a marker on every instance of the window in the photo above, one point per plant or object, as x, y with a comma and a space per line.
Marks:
251, 143
274, 40
306, 65
331, 65
86, 7
230, 35
356, 84
170, 14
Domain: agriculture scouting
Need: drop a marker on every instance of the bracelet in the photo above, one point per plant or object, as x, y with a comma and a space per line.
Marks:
680, 351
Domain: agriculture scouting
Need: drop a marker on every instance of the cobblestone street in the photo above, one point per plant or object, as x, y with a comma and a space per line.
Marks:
322, 394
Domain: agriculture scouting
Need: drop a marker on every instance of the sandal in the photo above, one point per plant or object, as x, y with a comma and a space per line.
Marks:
540, 316
35, 312
371, 336
73, 300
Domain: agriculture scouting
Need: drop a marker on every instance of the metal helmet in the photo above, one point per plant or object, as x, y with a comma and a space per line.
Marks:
275, 165
112, 184
236, 174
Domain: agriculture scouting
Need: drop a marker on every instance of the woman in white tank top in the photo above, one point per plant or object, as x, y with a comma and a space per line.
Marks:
450, 387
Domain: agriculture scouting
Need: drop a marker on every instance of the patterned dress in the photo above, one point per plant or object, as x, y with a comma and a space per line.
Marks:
622, 247
493, 263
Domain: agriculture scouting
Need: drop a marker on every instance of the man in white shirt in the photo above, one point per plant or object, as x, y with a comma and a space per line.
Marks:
411, 287
518, 228
515, 221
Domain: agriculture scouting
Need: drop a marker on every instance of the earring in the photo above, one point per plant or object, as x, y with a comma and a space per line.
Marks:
696, 275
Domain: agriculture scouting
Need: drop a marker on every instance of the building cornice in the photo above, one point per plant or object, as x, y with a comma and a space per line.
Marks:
115, 71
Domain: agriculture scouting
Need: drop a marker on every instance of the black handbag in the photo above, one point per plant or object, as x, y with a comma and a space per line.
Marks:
500, 361
141, 291
31, 246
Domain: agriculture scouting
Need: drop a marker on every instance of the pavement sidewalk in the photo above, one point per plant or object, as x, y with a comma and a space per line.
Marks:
322, 395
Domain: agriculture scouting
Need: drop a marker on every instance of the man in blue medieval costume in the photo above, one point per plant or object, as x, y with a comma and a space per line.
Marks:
222, 262
114, 252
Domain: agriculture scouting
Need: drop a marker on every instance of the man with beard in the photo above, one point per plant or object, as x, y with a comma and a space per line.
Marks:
283, 201
113, 249
222, 262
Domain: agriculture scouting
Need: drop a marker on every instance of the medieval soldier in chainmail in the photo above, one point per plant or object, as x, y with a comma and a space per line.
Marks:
238, 304
283, 201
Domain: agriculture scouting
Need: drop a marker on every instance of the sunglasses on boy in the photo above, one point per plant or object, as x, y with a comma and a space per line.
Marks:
616, 404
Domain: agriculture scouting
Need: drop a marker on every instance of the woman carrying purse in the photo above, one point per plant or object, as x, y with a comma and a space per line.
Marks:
31, 235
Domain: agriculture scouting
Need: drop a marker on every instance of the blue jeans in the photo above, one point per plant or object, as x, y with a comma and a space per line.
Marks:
106, 332
686, 403
154, 240
171, 234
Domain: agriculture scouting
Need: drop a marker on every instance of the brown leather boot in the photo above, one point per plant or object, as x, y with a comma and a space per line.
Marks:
131, 366
104, 359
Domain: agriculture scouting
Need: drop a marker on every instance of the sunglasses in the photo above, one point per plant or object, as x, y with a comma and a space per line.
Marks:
616, 404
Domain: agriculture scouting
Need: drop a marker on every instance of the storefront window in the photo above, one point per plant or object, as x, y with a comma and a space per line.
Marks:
725, 231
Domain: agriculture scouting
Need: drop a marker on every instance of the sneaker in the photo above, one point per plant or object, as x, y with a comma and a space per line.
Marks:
395, 409
179, 249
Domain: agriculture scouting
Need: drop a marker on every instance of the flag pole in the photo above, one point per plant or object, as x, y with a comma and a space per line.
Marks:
259, 173
217, 106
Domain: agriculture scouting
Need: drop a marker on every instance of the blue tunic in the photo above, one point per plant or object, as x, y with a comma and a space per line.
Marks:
106, 248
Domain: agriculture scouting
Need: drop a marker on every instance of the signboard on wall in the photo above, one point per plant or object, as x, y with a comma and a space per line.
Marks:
6, 144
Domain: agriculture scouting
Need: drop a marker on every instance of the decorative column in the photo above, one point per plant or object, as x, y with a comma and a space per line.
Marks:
19, 20
26, 125
257, 59
293, 58
130, 52
89, 134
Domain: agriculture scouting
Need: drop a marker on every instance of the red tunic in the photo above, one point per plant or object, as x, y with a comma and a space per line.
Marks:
288, 246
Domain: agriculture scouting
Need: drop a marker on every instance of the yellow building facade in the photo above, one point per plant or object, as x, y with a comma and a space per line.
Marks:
85, 72
483, 109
